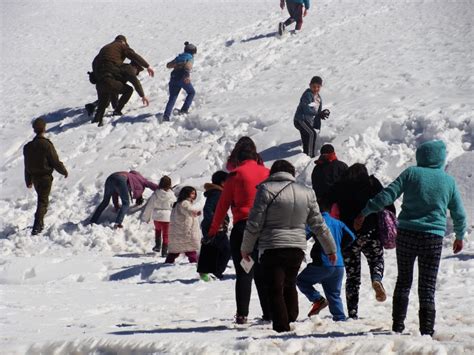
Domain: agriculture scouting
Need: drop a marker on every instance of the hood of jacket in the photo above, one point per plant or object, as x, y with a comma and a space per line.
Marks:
211, 188
280, 176
431, 154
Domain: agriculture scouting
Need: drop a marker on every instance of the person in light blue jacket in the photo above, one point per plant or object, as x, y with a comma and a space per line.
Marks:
428, 192
181, 79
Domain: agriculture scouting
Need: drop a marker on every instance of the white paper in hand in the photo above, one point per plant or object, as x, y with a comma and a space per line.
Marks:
247, 265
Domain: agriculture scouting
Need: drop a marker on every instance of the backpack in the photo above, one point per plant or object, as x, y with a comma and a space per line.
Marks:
388, 224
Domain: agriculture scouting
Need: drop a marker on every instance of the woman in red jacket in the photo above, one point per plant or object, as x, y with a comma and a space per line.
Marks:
239, 194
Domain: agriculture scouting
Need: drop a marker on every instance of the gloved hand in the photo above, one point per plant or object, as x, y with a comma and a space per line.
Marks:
325, 114
140, 201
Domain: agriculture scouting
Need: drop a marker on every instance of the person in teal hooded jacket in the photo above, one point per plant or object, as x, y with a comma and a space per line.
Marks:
428, 192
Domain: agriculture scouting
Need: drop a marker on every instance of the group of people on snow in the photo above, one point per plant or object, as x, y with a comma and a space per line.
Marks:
110, 76
272, 218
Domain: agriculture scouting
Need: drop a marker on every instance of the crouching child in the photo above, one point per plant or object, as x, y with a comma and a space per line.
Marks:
321, 271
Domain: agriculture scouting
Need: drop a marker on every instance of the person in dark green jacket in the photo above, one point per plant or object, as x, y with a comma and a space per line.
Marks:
428, 193
41, 160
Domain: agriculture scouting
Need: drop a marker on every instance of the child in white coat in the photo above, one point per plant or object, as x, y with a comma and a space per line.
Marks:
159, 208
185, 233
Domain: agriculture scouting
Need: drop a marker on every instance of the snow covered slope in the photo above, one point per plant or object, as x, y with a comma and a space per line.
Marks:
396, 73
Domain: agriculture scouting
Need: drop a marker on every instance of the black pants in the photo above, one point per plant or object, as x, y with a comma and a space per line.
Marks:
107, 91
42, 185
296, 14
280, 267
243, 283
427, 248
215, 256
308, 137
369, 244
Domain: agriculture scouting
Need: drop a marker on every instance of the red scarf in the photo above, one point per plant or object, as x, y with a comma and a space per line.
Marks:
330, 157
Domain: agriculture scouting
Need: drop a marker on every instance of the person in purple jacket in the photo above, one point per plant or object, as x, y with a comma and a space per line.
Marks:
126, 185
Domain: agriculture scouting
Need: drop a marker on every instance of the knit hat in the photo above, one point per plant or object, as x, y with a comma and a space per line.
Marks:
316, 80
190, 48
39, 125
327, 149
121, 38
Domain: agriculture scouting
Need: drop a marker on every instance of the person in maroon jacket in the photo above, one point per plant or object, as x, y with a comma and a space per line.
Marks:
239, 194
126, 185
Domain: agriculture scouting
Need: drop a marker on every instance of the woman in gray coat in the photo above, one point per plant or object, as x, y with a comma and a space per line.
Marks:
278, 219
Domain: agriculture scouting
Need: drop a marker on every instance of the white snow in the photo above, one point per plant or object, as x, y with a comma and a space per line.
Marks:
395, 73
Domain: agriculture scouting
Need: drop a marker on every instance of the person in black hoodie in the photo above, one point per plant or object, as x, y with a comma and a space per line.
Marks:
327, 172
351, 194
215, 252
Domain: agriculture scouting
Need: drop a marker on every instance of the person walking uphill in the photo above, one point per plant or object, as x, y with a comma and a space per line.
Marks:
239, 194
327, 172
125, 185
107, 68
159, 208
297, 10
309, 114
351, 194
428, 192
278, 221
322, 271
181, 79
41, 160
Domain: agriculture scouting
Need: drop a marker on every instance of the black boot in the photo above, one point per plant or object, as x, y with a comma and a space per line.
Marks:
157, 247
399, 314
164, 250
427, 321
90, 108
37, 228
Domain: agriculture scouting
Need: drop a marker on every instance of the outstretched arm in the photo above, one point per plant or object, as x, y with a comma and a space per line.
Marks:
255, 221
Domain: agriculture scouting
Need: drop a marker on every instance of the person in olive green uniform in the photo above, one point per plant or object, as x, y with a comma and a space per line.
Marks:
40, 161
128, 73
106, 68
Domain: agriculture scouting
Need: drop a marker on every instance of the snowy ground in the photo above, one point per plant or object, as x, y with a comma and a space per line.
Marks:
396, 73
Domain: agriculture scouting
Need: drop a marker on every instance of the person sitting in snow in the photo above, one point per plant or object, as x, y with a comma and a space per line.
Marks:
159, 208
181, 79
215, 252
185, 234
297, 10
428, 192
124, 185
322, 271
309, 114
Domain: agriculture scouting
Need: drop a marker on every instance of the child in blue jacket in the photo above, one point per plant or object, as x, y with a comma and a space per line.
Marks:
322, 271
181, 79
428, 193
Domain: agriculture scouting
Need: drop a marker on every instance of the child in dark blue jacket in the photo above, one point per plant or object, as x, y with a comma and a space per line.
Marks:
328, 275
215, 252
181, 79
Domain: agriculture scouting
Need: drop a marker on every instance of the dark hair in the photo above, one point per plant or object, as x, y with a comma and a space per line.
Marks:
165, 183
316, 80
243, 144
327, 149
356, 173
184, 194
219, 177
282, 166
324, 204
39, 125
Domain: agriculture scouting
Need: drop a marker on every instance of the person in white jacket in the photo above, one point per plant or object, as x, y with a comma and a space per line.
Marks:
185, 232
159, 208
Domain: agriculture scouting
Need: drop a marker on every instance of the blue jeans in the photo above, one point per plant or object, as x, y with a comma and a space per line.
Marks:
115, 184
175, 87
330, 277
